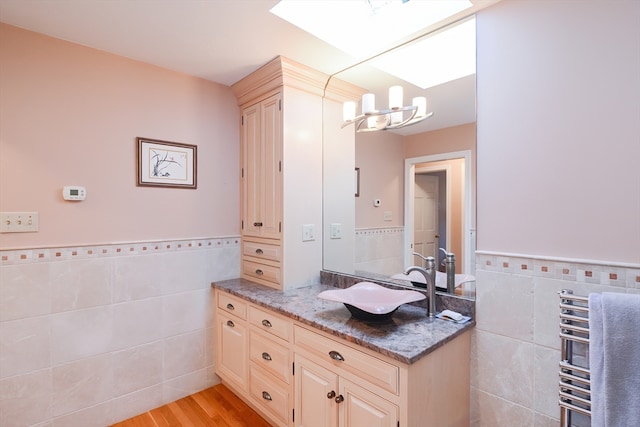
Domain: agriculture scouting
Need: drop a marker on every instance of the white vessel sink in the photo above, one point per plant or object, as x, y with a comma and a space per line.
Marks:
369, 301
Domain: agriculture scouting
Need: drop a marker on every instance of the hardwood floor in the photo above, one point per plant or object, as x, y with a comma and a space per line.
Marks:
215, 406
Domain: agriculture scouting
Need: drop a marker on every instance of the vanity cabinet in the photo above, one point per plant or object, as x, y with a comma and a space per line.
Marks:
297, 375
337, 385
232, 340
271, 364
254, 357
324, 398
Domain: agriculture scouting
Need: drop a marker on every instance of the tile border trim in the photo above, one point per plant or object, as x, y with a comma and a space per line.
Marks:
581, 271
52, 254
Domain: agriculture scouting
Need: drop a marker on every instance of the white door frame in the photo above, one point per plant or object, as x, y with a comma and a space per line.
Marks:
409, 194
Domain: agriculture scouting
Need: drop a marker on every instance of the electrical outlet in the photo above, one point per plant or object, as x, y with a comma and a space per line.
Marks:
18, 222
388, 216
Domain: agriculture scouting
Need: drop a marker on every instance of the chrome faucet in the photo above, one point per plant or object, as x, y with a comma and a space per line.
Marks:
449, 261
429, 274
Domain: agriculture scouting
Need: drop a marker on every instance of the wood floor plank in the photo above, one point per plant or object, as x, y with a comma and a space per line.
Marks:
214, 407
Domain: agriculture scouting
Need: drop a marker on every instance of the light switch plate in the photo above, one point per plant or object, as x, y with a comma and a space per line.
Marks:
336, 231
18, 222
308, 232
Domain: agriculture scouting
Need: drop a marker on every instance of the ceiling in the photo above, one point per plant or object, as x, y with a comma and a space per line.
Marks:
222, 41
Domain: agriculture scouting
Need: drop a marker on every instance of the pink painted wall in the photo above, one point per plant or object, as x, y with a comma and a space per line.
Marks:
69, 115
455, 138
381, 155
559, 130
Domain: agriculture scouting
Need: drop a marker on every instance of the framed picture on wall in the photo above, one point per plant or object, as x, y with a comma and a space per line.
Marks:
166, 164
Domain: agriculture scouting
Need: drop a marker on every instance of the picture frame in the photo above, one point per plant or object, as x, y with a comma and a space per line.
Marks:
357, 183
166, 164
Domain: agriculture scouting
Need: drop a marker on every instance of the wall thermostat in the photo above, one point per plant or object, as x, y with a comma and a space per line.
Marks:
74, 192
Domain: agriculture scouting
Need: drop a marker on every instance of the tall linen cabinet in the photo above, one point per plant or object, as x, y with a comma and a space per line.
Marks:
281, 173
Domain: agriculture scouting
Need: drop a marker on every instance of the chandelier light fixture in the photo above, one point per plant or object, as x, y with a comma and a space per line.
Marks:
395, 117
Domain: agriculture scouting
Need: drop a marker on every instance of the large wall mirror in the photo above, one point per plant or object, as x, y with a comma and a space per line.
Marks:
392, 193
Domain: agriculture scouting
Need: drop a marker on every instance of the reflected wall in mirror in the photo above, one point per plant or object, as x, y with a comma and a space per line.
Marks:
374, 235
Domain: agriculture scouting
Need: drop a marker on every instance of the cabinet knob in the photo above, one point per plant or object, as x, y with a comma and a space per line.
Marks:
230, 324
339, 399
336, 356
259, 251
266, 396
331, 394
259, 272
230, 307
257, 224
266, 323
266, 356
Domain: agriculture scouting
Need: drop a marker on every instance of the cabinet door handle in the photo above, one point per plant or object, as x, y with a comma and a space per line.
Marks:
230, 324
266, 356
259, 272
339, 399
336, 356
230, 307
331, 394
266, 323
259, 251
266, 396
257, 224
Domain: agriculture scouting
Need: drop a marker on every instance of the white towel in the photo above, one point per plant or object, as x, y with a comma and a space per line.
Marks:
614, 359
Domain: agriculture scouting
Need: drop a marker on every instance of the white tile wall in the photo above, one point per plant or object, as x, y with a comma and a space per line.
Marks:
93, 335
379, 250
515, 346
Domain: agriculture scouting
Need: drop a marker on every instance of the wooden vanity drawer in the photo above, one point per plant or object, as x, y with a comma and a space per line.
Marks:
271, 395
262, 250
232, 305
270, 323
369, 368
261, 271
270, 356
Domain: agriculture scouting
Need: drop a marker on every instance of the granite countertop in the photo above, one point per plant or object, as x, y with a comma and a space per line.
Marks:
407, 337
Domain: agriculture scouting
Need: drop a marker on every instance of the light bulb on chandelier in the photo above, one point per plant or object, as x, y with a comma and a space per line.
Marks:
395, 117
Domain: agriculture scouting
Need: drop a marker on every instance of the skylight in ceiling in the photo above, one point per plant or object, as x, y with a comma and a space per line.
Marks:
437, 59
363, 28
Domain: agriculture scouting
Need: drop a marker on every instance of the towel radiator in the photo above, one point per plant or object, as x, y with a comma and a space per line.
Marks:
575, 384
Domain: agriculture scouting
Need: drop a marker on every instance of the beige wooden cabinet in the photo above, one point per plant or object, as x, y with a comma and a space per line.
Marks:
261, 177
261, 153
271, 364
232, 340
296, 375
325, 399
281, 132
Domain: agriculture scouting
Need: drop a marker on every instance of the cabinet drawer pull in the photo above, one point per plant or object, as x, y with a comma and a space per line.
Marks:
259, 272
266, 356
266, 323
259, 251
266, 396
339, 399
230, 324
331, 394
257, 224
230, 307
336, 356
